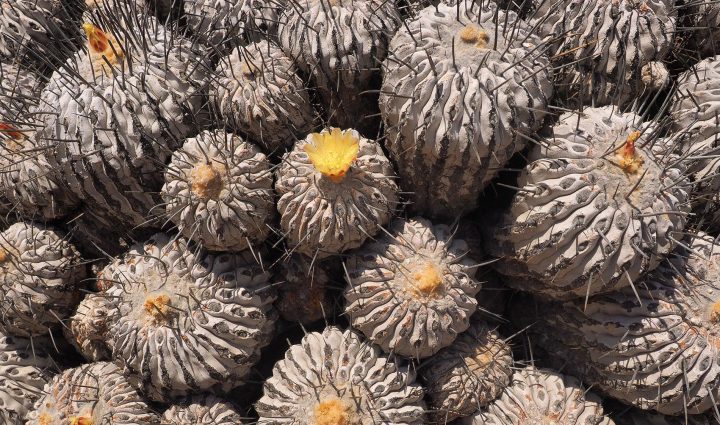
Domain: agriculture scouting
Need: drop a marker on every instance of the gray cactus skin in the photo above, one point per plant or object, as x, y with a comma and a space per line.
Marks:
339, 366
95, 391
581, 223
655, 349
222, 23
448, 129
202, 409
220, 303
540, 396
412, 290
88, 327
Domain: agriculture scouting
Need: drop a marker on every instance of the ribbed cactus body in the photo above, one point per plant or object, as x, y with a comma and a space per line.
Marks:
225, 23
204, 409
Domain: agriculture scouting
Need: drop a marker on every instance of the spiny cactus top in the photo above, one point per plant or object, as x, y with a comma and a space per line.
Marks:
336, 378
95, 393
258, 92
412, 291
24, 370
40, 275
203, 409
598, 44
656, 349
302, 295
224, 23
88, 327
189, 321
218, 191
456, 90
595, 208
119, 107
467, 375
539, 396
336, 189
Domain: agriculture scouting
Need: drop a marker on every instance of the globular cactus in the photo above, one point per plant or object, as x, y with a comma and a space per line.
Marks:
540, 396
95, 393
203, 409
219, 191
595, 208
340, 44
41, 274
606, 52
462, 89
303, 294
335, 377
189, 321
113, 113
223, 23
656, 347
336, 189
412, 291
18, 87
25, 368
257, 91
468, 375
89, 326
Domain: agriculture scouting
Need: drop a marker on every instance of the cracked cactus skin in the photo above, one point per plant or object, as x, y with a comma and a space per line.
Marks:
189, 321
329, 204
335, 377
303, 295
339, 44
467, 375
95, 393
24, 370
89, 326
41, 273
258, 92
203, 409
412, 291
450, 127
595, 44
595, 210
219, 191
539, 396
120, 108
657, 350
220, 22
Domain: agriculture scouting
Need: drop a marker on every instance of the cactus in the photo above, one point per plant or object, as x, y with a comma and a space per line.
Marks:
205, 409
595, 208
336, 189
334, 378
467, 375
461, 88
189, 321
89, 326
218, 191
258, 92
41, 276
218, 23
412, 290
95, 393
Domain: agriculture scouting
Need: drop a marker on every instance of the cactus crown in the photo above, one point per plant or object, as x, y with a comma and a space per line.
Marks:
473, 34
104, 48
158, 307
332, 412
629, 160
80, 420
206, 181
427, 279
333, 152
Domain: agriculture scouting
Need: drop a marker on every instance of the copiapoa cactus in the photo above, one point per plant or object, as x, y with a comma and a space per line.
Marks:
412, 291
89, 326
218, 191
336, 189
223, 23
95, 393
189, 321
595, 208
204, 409
41, 275
462, 86
335, 377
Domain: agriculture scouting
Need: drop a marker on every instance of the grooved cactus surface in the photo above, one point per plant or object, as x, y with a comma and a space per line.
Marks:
95, 393
657, 349
188, 321
218, 191
41, 274
467, 375
595, 208
412, 291
204, 409
89, 326
323, 214
335, 375
539, 396
216, 22
24, 371
456, 100
258, 92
